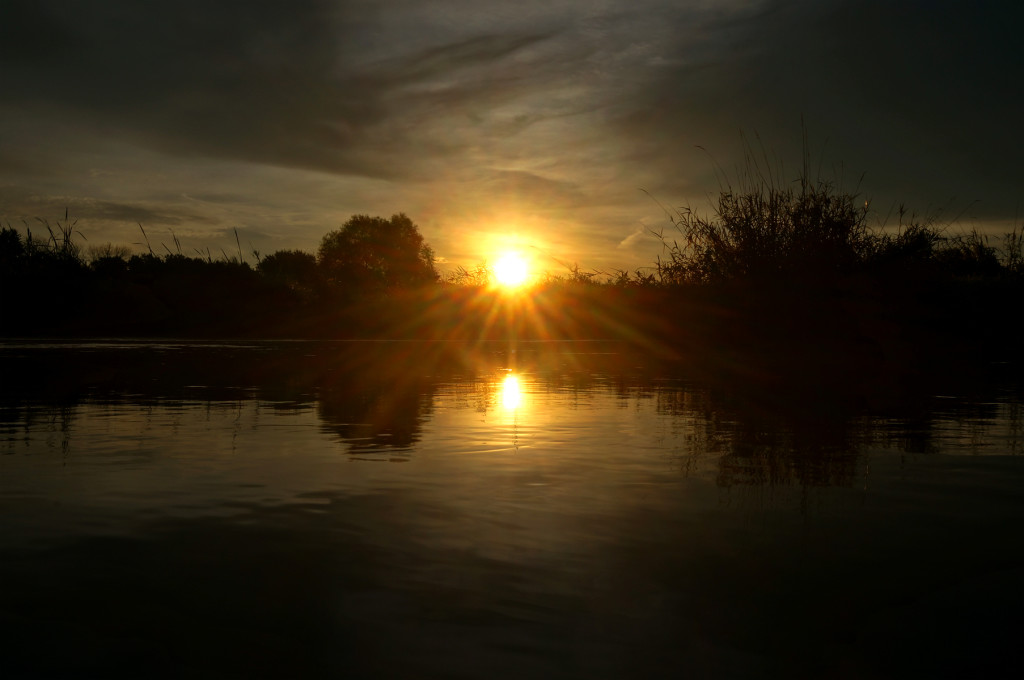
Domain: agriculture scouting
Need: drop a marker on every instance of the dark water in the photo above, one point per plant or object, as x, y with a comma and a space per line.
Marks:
421, 510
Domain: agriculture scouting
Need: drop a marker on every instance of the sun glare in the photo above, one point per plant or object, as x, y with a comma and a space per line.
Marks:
511, 392
511, 270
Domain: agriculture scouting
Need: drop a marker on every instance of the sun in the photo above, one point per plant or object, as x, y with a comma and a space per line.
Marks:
511, 270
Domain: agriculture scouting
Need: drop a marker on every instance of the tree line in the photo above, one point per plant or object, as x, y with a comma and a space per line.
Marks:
53, 284
767, 269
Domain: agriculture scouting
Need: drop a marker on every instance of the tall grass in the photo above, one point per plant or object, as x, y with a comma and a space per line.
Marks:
1013, 250
59, 244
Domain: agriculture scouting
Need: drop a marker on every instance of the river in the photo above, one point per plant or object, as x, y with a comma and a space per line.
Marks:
541, 510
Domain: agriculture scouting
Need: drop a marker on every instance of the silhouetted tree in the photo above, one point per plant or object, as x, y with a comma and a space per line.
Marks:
293, 269
373, 254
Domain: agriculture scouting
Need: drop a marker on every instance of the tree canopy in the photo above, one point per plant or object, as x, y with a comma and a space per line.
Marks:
292, 268
376, 254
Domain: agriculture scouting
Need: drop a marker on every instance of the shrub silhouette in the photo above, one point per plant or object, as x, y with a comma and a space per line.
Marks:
811, 234
767, 232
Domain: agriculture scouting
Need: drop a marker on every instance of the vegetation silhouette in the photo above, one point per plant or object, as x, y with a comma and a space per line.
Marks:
293, 270
371, 254
790, 280
776, 281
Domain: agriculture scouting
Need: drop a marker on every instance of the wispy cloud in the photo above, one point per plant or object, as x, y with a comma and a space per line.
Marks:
467, 114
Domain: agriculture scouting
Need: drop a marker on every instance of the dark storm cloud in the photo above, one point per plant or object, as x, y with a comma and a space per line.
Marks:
923, 97
261, 81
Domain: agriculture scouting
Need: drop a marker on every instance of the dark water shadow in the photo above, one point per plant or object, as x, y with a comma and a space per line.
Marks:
364, 586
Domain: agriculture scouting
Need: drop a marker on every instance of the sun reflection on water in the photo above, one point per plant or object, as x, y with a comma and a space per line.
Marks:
511, 392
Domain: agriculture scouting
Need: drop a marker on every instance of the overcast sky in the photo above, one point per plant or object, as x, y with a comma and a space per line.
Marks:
536, 123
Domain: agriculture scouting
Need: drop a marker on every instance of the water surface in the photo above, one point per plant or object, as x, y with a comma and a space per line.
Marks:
539, 510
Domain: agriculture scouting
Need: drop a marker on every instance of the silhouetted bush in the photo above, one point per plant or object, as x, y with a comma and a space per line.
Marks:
816, 235
766, 232
110, 267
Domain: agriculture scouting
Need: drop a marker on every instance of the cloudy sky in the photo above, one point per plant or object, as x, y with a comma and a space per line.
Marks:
535, 123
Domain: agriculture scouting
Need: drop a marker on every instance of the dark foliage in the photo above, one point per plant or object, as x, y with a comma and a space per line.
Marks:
373, 254
293, 269
775, 282
815, 235
768, 232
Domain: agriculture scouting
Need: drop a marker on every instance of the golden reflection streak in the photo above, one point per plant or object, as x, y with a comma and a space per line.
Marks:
511, 392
